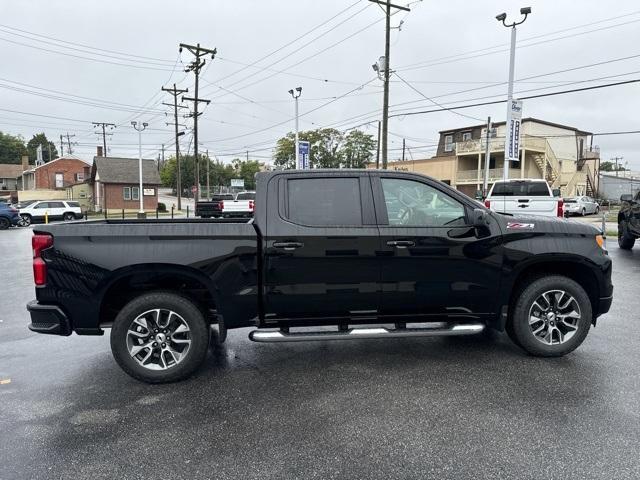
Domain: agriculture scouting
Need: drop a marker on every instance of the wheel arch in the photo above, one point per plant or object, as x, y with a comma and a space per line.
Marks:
131, 281
575, 269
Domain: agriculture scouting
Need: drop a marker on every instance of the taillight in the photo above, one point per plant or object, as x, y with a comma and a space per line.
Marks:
487, 203
40, 242
221, 203
251, 205
560, 211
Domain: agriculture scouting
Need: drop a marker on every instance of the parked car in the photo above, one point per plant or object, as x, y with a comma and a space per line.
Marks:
525, 197
580, 206
8, 216
629, 221
227, 206
321, 251
53, 209
213, 208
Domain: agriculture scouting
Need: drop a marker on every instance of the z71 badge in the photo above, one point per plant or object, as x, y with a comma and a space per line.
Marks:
520, 226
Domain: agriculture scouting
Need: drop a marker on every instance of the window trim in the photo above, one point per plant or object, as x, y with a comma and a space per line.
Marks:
381, 206
449, 144
135, 197
124, 193
367, 210
470, 133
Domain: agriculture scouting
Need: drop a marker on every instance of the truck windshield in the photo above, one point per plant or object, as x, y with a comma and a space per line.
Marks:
524, 189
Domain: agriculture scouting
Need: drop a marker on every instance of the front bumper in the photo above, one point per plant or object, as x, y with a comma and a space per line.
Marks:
48, 319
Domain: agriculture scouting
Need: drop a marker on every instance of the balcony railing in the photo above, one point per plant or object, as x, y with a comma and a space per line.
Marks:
471, 176
497, 145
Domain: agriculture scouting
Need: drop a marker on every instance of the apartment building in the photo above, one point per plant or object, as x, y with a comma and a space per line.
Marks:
561, 154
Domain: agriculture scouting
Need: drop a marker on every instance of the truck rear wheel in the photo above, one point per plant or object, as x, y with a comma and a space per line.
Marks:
551, 316
160, 337
625, 241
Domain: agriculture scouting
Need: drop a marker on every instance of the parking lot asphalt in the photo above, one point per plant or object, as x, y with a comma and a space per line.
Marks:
457, 408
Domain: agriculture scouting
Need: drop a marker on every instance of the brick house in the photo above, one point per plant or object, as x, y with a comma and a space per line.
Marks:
115, 184
56, 174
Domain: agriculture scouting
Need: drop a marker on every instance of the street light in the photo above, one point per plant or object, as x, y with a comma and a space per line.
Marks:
296, 94
140, 191
512, 57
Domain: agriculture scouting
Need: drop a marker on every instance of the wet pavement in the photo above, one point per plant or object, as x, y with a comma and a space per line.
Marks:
474, 407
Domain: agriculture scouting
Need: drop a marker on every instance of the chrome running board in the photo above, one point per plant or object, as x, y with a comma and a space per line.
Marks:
451, 329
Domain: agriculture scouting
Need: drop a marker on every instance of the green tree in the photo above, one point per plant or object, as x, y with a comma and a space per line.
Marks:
49, 151
11, 148
324, 144
247, 170
608, 166
329, 149
358, 149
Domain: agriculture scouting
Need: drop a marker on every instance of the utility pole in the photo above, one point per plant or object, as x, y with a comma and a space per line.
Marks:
378, 147
162, 157
175, 92
387, 64
403, 147
247, 155
208, 188
195, 67
61, 146
69, 143
104, 134
487, 158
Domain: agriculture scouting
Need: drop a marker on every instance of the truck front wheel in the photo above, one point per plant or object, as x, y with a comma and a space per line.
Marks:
625, 240
160, 337
551, 317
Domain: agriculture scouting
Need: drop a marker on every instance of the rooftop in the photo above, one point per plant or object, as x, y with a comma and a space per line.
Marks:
125, 170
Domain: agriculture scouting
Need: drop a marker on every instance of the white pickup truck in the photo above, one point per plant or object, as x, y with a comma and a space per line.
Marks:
525, 197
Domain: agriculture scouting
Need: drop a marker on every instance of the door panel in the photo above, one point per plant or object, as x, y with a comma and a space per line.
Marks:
320, 249
433, 264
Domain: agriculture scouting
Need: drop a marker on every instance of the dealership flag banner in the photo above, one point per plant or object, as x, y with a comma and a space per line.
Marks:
512, 140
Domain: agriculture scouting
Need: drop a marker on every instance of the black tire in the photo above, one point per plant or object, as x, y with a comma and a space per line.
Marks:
597, 210
192, 315
521, 330
625, 239
67, 217
584, 211
4, 223
26, 219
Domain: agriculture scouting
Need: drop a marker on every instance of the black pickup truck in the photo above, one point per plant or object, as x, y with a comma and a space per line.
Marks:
345, 254
629, 221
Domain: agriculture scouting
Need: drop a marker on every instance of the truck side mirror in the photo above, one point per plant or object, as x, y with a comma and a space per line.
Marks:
556, 192
627, 197
480, 217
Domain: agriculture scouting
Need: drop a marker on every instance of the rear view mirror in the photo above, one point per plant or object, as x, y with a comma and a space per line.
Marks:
480, 217
627, 197
556, 192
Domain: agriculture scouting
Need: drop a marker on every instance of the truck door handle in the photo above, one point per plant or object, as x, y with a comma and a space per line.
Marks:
288, 245
401, 243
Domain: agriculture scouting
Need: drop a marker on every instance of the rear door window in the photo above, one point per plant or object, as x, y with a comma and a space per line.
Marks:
324, 201
73, 204
521, 189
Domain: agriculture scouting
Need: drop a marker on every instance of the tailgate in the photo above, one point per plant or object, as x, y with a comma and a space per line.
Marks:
537, 206
236, 206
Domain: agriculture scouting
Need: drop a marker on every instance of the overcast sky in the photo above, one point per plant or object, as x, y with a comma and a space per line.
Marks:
442, 49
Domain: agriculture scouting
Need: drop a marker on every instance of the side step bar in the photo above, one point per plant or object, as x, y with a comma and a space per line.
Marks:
371, 332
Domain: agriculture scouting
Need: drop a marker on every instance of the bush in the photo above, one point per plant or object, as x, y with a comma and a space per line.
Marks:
162, 207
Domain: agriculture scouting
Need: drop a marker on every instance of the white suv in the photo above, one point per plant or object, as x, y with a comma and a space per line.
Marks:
53, 209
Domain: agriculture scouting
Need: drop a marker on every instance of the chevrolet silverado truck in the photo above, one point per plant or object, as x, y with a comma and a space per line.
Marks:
329, 255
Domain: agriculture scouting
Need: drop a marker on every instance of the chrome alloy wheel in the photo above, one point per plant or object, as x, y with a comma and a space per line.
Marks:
554, 317
158, 339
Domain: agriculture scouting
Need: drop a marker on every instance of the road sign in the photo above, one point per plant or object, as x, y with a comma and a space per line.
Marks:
237, 182
512, 140
303, 149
